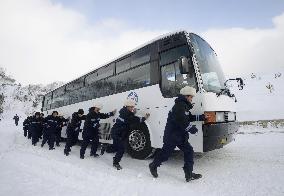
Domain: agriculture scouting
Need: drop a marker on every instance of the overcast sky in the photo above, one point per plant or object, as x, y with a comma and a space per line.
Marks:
42, 41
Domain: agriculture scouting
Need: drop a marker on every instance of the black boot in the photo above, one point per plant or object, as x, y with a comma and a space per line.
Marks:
66, 152
116, 164
103, 149
153, 170
82, 156
94, 154
189, 175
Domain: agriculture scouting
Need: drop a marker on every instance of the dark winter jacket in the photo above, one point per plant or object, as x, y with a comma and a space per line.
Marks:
179, 120
35, 125
51, 124
75, 123
16, 118
123, 122
62, 122
92, 123
26, 123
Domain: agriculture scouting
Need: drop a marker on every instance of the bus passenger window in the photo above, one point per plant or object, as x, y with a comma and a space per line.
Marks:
139, 77
123, 65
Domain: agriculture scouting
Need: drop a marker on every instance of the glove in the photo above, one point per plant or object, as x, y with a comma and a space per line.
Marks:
202, 117
193, 129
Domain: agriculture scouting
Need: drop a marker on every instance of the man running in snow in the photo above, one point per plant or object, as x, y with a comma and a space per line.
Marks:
176, 134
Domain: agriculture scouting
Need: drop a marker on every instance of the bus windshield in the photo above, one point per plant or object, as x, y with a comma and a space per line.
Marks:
211, 72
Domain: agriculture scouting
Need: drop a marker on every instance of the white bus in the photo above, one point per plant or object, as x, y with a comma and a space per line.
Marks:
152, 75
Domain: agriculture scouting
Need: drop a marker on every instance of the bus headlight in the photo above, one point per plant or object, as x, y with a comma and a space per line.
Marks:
220, 117
217, 117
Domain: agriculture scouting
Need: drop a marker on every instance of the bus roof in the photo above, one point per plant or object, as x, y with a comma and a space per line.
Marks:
163, 36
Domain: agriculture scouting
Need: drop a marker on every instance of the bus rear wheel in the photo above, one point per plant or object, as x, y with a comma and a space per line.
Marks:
139, 143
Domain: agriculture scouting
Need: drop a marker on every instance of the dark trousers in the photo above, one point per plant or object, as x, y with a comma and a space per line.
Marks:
29, 134
51, 139
167, 150
16, 122
118, 145
94, 142
25, 132
72, 138
35, 136
58, 136
44, 137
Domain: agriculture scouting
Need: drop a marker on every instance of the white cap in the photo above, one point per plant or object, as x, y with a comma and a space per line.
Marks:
130, 103
188, 90
98, 105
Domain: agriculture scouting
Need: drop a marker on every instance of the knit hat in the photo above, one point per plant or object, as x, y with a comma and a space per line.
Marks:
81, 111
188, 90
98, 105
130, 103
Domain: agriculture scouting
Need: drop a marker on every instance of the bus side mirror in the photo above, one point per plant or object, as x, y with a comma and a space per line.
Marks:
240, 83
184, 65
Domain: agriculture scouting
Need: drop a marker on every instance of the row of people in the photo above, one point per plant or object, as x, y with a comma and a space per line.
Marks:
176, 132
48, 129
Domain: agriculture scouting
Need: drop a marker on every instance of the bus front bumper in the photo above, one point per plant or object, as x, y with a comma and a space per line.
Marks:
215, 136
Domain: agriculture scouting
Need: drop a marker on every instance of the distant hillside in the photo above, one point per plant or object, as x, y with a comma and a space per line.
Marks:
24, 100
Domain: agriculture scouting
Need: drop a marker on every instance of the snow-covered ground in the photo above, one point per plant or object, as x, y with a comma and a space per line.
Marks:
252, 165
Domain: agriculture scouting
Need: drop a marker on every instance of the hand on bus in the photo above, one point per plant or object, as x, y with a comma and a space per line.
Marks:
206, 116
147, 115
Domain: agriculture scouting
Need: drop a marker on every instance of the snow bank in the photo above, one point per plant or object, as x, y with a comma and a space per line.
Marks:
252, 165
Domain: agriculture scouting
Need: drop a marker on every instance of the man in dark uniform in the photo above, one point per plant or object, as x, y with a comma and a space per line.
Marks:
51, 124
35, 127
26, 124
16, 118
42, 120
120, 129
176, 133
91, 129
73, 130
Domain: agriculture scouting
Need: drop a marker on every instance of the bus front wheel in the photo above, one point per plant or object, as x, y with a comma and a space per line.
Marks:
139, 143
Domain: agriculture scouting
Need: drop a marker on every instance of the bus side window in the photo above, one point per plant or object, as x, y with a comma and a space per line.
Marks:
121, 82
183, 80
172, 55
139, 77
140, 57
123, 65
168, 80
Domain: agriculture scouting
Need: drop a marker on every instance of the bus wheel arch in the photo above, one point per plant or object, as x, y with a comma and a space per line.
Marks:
139, 142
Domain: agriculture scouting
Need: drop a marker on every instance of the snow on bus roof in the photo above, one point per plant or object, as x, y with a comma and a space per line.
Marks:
163, 36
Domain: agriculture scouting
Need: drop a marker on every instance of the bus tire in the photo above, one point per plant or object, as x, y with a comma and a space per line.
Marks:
139, 143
